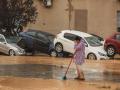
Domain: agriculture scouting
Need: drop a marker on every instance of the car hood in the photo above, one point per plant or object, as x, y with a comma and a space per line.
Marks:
98, 49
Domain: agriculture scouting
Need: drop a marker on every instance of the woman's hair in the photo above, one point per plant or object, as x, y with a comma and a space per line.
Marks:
78, 38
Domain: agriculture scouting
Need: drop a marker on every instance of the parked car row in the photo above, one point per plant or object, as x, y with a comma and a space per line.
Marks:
35, 41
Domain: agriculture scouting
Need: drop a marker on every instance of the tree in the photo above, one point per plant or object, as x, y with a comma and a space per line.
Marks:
14, 14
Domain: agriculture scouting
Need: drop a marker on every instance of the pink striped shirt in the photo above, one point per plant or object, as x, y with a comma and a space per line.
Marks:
79, 57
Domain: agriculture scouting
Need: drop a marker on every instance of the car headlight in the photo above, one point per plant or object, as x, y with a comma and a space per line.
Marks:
101, 54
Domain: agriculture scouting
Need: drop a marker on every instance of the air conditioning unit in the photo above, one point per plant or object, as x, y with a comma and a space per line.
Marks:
47, 3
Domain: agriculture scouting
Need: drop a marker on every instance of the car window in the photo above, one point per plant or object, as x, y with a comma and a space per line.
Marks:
2, 39
31, 33
100, 38
93, 41
12, 39
51, 38
118, 37
42, 37
70, 36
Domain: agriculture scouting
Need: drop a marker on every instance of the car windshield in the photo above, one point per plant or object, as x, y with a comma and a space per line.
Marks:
12, 39
93, 41
100, 38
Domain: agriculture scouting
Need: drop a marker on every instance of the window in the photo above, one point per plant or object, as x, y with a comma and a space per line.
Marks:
2, 39
31, 33
12, 39
93, 41
70, 36
118, 20
42, 37
81, 20
118, 37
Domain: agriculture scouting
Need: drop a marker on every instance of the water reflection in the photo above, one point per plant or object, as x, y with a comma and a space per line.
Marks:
55, 72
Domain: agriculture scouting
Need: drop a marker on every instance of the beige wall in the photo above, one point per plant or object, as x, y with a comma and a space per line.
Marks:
101, 16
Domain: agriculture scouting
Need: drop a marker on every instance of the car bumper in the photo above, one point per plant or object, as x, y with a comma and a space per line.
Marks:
103, 57
20, 53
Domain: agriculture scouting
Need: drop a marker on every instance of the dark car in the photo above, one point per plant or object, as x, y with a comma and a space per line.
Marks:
37, 41
112, 45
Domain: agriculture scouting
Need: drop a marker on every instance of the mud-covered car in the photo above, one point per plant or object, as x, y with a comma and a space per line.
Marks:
8, 46
37, 41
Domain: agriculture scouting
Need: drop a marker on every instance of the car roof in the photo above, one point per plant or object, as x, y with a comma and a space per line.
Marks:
79, 33
38, 31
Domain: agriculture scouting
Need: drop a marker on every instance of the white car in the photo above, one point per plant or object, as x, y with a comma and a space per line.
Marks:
8, 46
64, 42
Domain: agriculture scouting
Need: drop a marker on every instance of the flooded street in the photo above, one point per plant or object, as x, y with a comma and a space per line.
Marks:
45, 73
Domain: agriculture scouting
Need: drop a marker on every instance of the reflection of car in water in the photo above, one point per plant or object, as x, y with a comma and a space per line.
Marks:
112, 45
8, 46
37, 41
64, 42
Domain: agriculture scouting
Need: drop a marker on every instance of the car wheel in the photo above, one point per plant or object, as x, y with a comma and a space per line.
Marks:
12, 53
53, 53
59, 47
111, 51
92, 56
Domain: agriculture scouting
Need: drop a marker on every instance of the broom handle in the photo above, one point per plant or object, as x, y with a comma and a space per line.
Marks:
68, 66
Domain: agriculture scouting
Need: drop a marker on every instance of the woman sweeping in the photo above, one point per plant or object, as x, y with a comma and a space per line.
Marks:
79, 57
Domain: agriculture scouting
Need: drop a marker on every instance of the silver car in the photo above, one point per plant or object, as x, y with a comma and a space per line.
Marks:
8, 46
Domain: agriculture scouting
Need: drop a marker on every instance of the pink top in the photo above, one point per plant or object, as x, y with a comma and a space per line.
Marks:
79, 57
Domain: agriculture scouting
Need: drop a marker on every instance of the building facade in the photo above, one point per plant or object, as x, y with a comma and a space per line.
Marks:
101, 17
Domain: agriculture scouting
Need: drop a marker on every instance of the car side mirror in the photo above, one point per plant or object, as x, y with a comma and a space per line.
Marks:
86, 45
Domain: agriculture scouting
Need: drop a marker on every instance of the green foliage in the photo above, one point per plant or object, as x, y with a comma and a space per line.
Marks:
14, 14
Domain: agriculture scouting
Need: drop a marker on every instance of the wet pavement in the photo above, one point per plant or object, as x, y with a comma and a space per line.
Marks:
29, 70
55, 72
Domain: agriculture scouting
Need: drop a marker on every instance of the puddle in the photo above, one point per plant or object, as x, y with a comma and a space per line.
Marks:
54, 72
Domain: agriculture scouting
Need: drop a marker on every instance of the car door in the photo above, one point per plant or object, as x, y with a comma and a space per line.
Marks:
68, 42
87, 48
42, 43
30, 38
3, 44
118, 42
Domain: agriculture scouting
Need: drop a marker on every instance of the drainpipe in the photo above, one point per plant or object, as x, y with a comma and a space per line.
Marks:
70, 9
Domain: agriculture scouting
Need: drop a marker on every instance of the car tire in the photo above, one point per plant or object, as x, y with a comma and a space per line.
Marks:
91, 56
12, 53
53, 53
111, 51
59, 47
